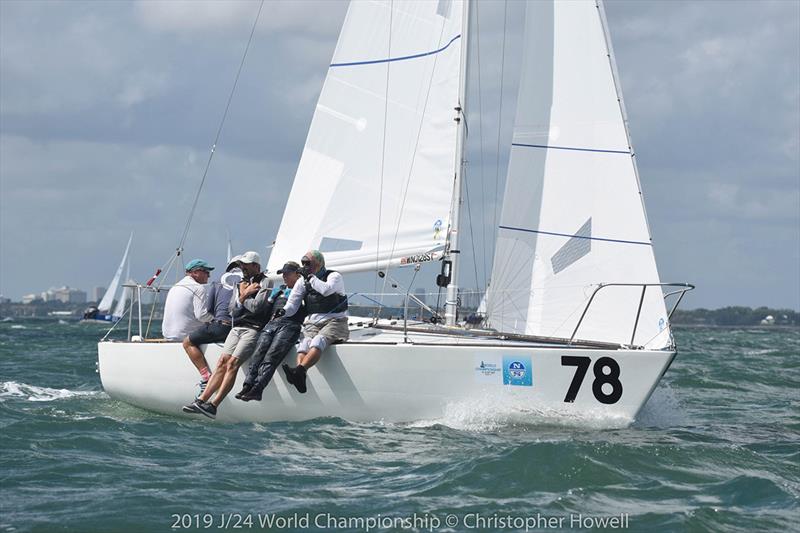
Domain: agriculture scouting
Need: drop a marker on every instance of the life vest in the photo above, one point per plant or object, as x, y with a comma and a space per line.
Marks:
280, 297
317, 303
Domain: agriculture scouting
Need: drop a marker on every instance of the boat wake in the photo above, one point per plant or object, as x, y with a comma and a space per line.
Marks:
12, 389
493, 412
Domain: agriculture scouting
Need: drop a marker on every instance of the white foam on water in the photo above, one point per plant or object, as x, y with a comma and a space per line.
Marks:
662, 409
18, 326
494, 411
12, 389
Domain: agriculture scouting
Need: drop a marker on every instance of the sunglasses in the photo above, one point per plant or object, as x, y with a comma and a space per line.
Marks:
305, 261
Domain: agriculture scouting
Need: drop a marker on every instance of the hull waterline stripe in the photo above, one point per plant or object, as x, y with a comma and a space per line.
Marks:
391, 59
547, 147
573, 236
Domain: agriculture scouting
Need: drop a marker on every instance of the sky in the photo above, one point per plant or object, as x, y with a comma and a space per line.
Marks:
108, 111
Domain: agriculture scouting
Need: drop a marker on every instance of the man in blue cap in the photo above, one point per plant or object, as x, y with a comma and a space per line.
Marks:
185, 308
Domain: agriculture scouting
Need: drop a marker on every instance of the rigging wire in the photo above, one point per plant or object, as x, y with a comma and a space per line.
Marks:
383, 153
477, 19
219, 132
500, 114
413, 160
471, 234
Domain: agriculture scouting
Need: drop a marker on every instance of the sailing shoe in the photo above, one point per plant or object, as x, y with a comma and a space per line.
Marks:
245, 389
290, 373
251, 395
193, 408
208, 409
300, 379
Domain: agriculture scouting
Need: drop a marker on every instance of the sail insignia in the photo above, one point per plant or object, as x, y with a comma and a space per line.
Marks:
575, 248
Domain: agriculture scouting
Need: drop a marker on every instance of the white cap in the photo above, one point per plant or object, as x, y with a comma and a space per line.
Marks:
250, 257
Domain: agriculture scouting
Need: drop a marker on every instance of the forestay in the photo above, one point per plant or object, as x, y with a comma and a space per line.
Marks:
375, 180
573, 215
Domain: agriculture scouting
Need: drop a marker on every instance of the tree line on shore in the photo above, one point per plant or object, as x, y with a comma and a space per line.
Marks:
737, 316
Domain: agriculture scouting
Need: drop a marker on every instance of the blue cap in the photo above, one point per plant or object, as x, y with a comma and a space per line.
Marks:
198, 264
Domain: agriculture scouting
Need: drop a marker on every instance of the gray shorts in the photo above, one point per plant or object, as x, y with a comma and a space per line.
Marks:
329, 331
241, 342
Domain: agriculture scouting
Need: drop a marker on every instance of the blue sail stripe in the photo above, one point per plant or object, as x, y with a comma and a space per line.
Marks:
574, 236
390, 59
549, 147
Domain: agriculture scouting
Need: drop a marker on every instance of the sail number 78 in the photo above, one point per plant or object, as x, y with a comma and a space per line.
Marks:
606, 371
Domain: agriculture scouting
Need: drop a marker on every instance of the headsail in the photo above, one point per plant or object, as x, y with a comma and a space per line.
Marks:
572, 215
108, 298
374, 183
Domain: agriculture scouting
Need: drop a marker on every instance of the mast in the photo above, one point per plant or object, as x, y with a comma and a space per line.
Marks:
451, 303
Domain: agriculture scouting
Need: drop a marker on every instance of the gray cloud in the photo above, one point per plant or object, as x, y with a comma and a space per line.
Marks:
108, 111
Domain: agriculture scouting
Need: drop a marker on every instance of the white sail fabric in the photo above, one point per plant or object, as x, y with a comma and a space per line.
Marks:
393, 81
572, 216
108, 298
119, 309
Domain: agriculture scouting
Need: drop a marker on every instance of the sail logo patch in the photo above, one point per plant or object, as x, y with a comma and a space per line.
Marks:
518, 371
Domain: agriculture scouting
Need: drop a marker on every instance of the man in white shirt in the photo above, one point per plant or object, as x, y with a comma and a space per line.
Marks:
326, 304
185, 309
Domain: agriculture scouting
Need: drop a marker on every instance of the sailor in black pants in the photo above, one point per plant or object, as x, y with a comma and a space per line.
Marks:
278, 336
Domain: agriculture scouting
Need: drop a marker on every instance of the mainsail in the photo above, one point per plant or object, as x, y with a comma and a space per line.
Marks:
108, 298
375, 181
573, 215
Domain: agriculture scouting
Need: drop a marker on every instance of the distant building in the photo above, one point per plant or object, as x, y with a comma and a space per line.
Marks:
97, 293
4, 300
30, 298
768, 320
65, 295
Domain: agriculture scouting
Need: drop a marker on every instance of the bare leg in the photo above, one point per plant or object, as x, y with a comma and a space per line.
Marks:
232, 368
195, 355
300, 356
310, 359
216, 378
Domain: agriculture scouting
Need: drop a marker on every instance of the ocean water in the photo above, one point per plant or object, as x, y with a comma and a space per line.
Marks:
717, 448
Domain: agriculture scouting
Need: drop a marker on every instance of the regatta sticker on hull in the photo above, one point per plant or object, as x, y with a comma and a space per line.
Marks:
518, 371
488, 369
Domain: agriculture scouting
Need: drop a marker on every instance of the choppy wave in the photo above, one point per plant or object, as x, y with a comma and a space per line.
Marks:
32, 393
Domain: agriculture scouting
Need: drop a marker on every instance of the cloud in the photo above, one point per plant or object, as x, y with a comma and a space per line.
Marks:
320, 17
108, 111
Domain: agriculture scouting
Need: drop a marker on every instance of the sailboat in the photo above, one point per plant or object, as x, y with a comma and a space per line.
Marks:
102, 313
576, 322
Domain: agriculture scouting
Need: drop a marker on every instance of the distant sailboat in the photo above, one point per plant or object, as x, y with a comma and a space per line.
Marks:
101, 313
574, 286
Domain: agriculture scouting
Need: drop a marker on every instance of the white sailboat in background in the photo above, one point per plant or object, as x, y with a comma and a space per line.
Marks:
102, 313
575, 286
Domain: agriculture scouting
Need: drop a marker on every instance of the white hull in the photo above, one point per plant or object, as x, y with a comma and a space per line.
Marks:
379, 378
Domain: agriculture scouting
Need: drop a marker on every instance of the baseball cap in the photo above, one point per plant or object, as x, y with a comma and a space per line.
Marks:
198, 264
233, 263
250, 257
291, 266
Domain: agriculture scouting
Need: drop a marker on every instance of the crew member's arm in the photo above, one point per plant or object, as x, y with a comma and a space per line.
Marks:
199, 302
261, 300
335, 284
295, 298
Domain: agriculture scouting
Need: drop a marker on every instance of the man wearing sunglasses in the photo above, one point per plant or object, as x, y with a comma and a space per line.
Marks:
326, 304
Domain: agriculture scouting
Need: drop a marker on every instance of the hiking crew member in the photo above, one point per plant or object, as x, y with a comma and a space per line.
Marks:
250, 310
326, 304
279, 335
218, 297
